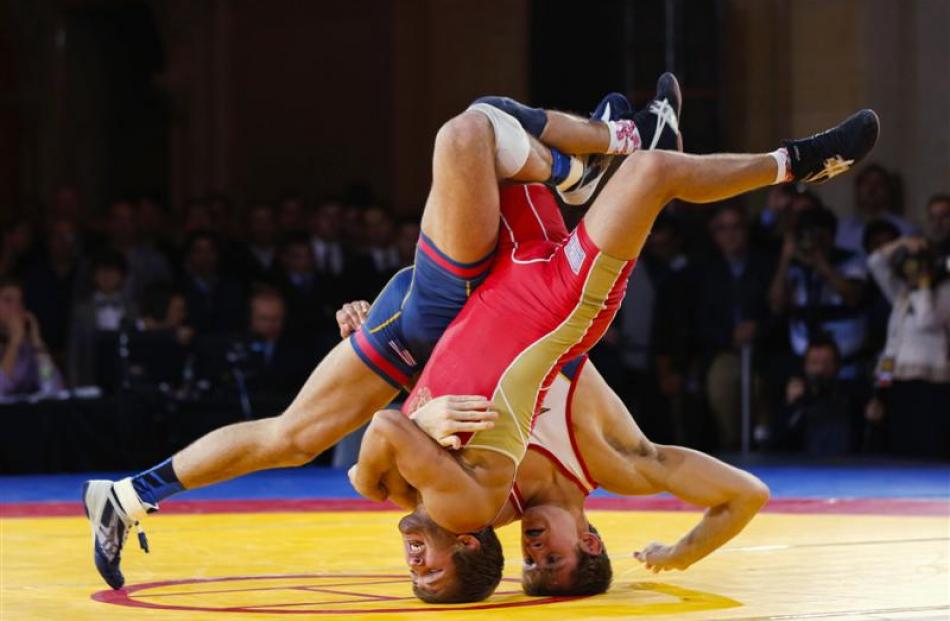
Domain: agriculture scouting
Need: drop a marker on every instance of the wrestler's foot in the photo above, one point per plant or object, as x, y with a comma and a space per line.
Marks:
658, 123
110, 528
613, 107
820, 157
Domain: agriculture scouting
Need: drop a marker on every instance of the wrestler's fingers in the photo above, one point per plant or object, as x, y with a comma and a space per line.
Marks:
473, 415
456, 427
470, 402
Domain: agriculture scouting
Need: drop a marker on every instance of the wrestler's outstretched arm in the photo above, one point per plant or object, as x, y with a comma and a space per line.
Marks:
625, 462
732, 496
450, 494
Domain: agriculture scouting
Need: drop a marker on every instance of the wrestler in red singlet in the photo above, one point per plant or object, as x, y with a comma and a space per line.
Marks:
550, 297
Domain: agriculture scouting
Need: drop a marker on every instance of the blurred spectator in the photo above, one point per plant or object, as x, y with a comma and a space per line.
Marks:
196, 216
877, 309
378, 230
821, 287
339, 269
822, 412
65, 205
645, 342
308, 308
407, 235
52, 282
875, 198
353, 224
916, 359
773, 220
25, 364
938, 222
278, 363
215, 300
105, 311
290, 214
165, 308
221, 210
153, 221
16, 244
260, 256
145, 263
731, 299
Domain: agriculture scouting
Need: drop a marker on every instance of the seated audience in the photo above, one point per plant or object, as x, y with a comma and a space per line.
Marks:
53, 282
104, 312
278, 363
25, 364
260, 251
309, 309
145, 263
214, 299
16, 246
165, 308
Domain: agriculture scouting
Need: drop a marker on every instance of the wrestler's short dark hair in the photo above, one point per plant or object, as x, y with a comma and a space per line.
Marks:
592, 576
477, 572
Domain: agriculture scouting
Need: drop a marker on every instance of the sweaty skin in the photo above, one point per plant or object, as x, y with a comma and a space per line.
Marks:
619, 458
623, 461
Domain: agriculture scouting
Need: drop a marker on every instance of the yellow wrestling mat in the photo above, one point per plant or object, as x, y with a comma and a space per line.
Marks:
347, 565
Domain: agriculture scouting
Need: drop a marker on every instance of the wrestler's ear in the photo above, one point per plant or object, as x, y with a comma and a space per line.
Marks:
591, 543
469, 542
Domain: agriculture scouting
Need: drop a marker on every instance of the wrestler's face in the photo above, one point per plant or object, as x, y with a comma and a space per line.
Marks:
550, 539
429, 549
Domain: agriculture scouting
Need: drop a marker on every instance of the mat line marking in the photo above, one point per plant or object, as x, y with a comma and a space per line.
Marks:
831, 544
841, 613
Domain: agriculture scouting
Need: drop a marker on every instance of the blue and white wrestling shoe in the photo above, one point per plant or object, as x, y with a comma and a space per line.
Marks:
658, 124
105, 504
612, 107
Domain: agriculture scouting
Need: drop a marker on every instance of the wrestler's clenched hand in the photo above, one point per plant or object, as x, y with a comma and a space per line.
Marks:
445, 417
351, 317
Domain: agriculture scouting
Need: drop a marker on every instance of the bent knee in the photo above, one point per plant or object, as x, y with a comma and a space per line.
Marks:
652, 165
467, 131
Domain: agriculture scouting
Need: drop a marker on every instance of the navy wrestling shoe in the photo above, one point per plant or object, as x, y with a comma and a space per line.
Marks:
818, 158
612, 107
658, 123
110, 527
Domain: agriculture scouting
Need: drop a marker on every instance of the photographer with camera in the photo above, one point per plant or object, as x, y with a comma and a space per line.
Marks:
915, 364
821, 287
822, 412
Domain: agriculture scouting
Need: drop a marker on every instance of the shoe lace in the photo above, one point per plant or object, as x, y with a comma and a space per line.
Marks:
665, 115
833, 167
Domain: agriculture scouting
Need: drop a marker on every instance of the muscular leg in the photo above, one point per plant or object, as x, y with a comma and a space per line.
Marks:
574, 134
341, 394
461, 212
622, 216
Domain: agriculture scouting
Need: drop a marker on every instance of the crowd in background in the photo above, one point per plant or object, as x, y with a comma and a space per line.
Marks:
842, 326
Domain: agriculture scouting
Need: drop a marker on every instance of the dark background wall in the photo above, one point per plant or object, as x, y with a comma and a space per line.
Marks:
257, 98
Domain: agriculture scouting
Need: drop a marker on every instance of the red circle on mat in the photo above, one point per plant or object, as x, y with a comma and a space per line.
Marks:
136, 596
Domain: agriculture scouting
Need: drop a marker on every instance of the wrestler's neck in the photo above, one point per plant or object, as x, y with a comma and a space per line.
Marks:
540, 482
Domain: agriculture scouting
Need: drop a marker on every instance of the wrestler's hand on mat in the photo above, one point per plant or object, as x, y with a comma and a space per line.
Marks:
657, 557
351, 317
444, 417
